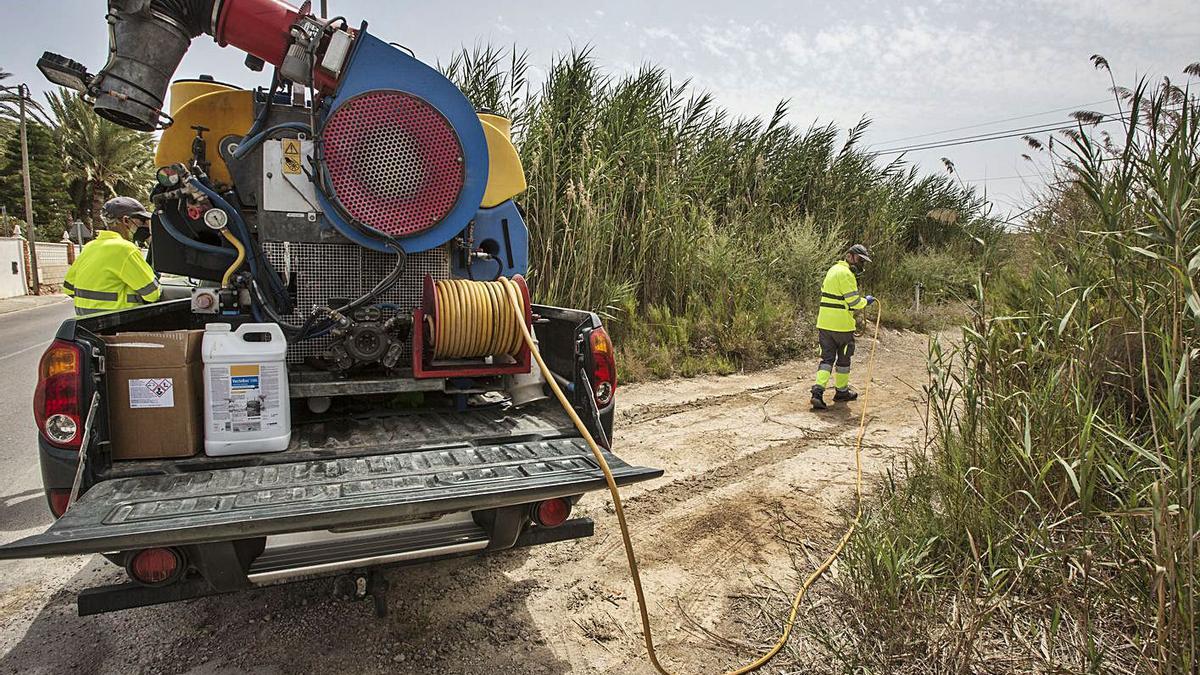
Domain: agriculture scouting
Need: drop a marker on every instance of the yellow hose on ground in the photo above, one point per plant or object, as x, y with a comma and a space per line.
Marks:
241, 256
514, 296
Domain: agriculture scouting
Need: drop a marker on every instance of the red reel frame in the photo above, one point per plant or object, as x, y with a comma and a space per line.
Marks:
424, 318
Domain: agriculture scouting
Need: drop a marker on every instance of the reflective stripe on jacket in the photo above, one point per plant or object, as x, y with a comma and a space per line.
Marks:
839, 295
110, 273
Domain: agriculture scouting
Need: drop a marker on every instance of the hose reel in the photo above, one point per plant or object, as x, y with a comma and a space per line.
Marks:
468, 328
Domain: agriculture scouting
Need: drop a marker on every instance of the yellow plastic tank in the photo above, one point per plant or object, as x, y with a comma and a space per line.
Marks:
183, 91
223, 110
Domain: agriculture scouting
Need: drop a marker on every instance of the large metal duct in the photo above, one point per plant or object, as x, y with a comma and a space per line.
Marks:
146, 41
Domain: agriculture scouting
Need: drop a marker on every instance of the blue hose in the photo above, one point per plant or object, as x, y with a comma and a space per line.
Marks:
164, 219
243, 234
219, 201
246, 145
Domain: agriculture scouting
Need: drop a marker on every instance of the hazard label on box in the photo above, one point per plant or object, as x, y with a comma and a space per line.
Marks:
152, 393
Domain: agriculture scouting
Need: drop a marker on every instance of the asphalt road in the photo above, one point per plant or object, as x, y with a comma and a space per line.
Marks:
23, 337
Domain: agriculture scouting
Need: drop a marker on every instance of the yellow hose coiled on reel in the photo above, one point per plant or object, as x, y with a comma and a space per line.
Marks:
476, 318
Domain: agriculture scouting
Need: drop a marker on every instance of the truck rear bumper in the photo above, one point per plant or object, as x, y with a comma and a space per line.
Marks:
129, 595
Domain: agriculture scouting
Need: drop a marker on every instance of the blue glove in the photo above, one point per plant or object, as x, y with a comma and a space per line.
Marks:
870, 300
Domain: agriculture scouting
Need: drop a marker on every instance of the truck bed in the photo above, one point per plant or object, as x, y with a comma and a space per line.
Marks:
370, 462
361, 435
378, 470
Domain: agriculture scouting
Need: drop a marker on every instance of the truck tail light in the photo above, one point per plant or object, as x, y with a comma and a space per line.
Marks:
604, 368
56, 401
551, 512
155, 566
58, 501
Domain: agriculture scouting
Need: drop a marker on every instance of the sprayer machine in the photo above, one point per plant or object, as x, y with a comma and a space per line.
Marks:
337, 202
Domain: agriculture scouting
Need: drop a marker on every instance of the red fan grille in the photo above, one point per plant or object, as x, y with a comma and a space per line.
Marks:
394, 162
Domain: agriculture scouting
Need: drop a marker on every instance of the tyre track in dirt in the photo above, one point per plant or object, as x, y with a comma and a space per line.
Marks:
708, 531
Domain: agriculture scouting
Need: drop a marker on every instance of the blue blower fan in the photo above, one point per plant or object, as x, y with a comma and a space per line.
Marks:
402, 152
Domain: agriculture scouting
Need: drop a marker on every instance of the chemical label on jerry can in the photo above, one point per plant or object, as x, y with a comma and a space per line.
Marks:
245, 398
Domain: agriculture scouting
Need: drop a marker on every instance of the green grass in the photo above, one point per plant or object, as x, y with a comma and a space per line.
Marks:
701, 237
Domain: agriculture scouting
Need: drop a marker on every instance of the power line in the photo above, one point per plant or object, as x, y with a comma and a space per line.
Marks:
986, 124
999, 135
988, 179
993, 135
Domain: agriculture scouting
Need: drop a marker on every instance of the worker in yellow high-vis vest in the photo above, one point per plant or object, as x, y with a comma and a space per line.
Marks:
840, 298
110, 272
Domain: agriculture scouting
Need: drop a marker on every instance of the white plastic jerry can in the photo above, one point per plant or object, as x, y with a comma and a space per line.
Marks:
246, 404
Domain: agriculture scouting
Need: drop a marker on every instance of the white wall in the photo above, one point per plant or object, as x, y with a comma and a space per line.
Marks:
11, 254
52, 262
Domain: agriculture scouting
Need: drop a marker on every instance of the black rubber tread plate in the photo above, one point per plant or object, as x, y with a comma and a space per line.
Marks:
374, 434
239, 503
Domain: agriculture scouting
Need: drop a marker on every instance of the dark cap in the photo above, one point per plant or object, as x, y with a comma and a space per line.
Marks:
860, 251
119, 207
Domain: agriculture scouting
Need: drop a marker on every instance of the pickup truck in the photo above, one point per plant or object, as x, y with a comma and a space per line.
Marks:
331, 204
363, 485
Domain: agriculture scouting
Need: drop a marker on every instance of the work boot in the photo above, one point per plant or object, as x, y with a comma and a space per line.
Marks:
818, 398
845, 395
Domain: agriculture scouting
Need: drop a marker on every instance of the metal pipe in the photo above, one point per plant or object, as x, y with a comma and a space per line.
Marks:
259, 27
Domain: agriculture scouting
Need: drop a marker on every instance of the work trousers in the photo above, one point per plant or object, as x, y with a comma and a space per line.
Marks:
836, 349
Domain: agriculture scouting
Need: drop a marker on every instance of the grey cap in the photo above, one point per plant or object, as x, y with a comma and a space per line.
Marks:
860, 251
119, 207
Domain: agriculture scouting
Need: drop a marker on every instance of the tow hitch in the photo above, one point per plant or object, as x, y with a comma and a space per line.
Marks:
360, 586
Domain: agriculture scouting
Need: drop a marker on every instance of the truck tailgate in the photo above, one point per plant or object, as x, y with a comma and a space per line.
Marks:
349, 492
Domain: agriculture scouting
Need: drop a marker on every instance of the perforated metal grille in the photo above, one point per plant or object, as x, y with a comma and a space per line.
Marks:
325, 272
394, 161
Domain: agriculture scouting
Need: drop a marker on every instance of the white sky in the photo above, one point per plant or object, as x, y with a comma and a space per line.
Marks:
913, 67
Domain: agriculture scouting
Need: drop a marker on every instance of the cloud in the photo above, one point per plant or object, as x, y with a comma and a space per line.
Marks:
665, 35
1157, 18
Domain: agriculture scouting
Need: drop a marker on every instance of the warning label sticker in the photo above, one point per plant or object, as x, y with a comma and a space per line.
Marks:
152, 393
291, 156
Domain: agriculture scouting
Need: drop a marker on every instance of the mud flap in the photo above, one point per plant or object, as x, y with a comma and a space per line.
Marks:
378, 490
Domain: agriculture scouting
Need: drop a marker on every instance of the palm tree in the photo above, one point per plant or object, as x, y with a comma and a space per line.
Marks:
101, 158
10, 102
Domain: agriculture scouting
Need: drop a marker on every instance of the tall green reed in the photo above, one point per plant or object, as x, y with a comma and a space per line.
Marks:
1055, 514
644, 193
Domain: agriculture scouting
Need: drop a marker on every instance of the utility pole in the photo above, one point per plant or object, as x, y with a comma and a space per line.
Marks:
30, 233
324, 9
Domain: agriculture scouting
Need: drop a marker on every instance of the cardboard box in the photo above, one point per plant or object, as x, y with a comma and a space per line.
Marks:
155, 403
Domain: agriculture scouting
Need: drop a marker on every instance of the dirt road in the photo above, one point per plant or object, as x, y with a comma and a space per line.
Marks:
746, 464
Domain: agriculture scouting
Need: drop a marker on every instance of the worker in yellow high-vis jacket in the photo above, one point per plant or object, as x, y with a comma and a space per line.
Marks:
110, 272
840, 298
